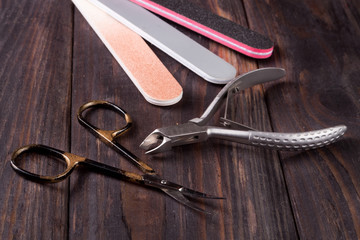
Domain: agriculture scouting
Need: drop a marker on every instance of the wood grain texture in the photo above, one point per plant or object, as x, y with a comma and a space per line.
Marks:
318, 46
52, 62
35, 70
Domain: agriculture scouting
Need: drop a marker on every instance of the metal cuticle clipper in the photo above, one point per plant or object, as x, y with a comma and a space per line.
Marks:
197, 130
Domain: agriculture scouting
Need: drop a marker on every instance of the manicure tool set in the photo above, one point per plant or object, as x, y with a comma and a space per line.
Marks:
119, 24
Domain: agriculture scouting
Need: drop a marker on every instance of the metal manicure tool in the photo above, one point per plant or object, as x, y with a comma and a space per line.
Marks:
197, 130
149, 178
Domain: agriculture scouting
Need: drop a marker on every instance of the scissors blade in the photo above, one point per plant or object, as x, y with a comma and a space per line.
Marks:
178, 196
157, 182
189, 192
176, 191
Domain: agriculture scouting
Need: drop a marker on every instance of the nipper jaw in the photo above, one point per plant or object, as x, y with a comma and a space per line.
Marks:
163, 139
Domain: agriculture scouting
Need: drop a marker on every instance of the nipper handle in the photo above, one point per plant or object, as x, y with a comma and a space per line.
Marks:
297, 141
239, 83
281, 141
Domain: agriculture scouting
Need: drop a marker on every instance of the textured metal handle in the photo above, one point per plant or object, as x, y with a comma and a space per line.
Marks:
296, 141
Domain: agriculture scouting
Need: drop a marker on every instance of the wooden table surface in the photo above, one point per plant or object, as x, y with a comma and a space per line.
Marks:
51, 62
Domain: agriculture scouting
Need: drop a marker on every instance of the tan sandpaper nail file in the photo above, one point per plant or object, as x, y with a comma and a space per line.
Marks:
147, 72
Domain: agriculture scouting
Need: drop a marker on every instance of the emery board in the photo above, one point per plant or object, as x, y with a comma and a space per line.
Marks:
146, 71
176, 44
215, 27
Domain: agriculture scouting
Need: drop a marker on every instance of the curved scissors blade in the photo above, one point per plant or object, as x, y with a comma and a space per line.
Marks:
177, 191
183, 200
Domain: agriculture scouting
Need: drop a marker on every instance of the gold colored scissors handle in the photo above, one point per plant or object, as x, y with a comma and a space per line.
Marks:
109, 136
71, 161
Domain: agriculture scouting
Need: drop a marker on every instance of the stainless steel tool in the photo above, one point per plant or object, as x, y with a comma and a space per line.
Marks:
197, 130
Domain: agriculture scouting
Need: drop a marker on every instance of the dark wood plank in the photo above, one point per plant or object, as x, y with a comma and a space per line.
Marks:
110, 208
317, 43
268, 195
35, 71
260, 204
256, 204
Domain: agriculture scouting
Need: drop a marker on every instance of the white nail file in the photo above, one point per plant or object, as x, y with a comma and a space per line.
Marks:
182, 48
143, 67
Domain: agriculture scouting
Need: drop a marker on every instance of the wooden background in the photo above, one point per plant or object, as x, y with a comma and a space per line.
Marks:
51, 62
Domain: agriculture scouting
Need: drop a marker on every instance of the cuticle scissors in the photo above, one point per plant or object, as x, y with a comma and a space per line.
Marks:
196, 130
149, 178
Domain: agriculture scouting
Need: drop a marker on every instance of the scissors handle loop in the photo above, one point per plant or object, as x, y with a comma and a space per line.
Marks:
71, 161
104, 134
108, 137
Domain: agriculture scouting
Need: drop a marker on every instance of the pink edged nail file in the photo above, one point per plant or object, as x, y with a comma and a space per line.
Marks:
147, 72
170, 40
217, 28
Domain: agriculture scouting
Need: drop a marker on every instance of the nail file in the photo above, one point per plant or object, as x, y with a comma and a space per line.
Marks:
176, 44
217, 28
147, 72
